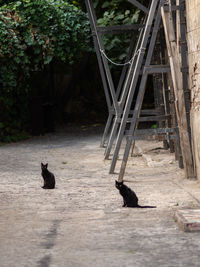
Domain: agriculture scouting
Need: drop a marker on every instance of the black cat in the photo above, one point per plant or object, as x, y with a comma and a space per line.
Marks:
129, 197
49, 178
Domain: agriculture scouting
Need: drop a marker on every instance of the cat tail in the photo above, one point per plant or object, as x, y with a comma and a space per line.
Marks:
147, 207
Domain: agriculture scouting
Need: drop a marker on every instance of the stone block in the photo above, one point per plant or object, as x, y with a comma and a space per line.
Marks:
188, 219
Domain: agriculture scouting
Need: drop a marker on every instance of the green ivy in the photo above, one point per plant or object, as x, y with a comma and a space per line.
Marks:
117, 46
32, 34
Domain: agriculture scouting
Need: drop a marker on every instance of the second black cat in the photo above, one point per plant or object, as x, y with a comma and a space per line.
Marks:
129, 197
49, 178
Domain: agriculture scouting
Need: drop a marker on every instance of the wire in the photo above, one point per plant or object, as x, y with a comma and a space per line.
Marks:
141, 50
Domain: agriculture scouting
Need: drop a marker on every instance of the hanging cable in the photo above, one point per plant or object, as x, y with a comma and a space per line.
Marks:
141, 50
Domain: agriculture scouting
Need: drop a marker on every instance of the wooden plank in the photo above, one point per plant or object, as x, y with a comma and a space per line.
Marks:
188, 219
175, 66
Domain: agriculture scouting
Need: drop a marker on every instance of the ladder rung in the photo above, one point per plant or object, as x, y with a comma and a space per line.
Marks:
161, 137
149, 112
157, 69
158, 131
117, 29
151, 118
154, 118
172, 8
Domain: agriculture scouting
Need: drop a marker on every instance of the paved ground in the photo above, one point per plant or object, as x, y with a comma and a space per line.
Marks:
81, 223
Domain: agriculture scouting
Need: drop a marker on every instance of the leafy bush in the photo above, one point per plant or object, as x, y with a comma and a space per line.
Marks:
32, 34
116, 12
117, 45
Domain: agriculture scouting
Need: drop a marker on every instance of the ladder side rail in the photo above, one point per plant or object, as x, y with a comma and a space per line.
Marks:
106, 129
125, 67
184, 60
179, 94
93, 21
99, 59
165, 89
123, 96
132, 68
140, 95
140, 6
134, 81
110, 120
178, 152
103, 76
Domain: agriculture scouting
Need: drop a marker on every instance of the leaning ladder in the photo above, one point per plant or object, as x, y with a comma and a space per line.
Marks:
180, 106
114, 98
154, 13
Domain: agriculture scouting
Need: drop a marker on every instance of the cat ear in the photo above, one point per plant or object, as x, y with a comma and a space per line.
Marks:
42, 164
46, 165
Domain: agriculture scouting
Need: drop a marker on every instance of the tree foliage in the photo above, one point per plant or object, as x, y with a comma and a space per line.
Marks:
117, 46
116, 12
32, 34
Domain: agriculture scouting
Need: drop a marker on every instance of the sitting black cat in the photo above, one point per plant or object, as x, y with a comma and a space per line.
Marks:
49, 178
129, 197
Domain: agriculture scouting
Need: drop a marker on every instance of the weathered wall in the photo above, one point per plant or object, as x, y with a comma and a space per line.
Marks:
193, 29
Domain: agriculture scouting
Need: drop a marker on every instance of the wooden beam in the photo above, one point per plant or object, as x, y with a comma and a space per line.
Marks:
140, 6
174, 60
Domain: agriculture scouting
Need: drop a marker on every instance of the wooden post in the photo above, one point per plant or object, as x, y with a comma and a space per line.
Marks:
178, 30
174, 60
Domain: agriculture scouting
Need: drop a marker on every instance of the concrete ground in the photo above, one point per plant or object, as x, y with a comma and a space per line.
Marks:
81, 223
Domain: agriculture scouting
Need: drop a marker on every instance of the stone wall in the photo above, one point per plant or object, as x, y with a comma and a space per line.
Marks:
193, 35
